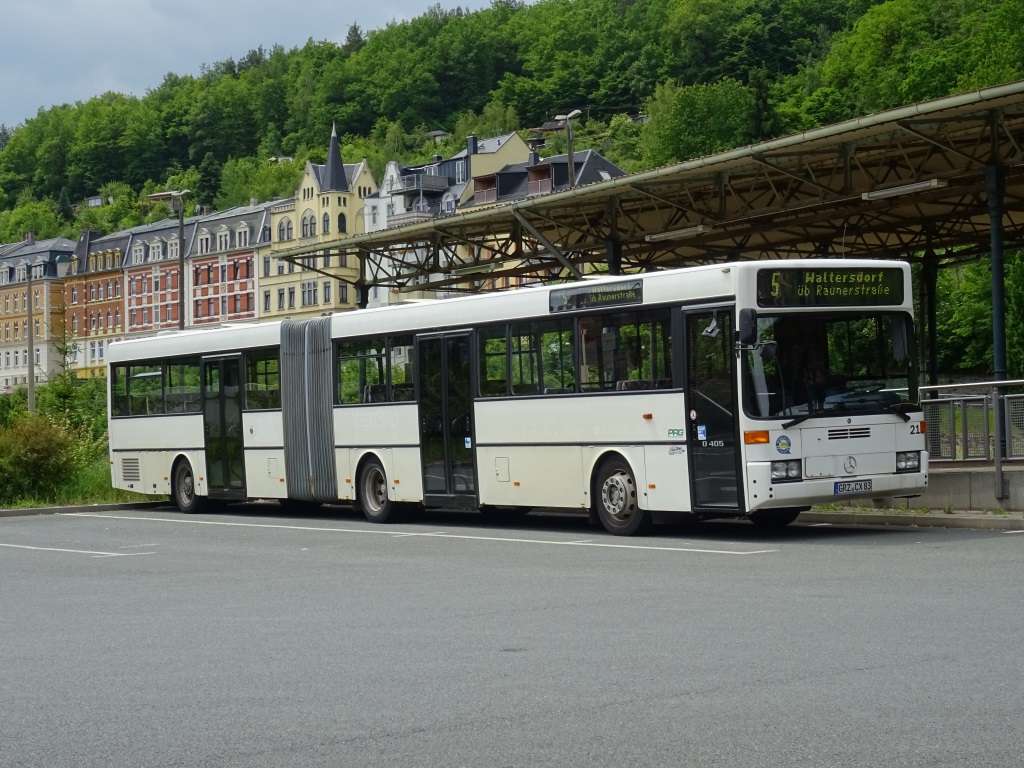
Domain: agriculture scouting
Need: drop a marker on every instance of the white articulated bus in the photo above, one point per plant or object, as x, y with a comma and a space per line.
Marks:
747, 389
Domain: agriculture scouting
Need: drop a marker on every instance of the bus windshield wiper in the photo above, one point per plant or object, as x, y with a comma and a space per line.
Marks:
804, 417
894, 409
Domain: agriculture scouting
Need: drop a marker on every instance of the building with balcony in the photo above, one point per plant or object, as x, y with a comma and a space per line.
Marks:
414, 193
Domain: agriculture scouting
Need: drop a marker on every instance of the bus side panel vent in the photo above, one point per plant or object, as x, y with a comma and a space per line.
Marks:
306, 374
130, 471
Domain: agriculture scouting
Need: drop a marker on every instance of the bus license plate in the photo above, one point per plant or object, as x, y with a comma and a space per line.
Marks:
853, 486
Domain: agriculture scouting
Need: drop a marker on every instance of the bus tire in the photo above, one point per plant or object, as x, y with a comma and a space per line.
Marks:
773, 518
183, 489
372, 493
617, 501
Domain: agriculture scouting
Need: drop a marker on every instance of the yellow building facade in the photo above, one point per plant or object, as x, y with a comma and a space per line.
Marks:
327, 204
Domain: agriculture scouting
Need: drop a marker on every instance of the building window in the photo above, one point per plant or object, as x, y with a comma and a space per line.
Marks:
342, 225
280, 298
242, 237
266, 266
74, 324
460, 172
309, 292
326, 229
343, 293
266, 301
223, 273
74, 296
223, 241
291, 298
212, 307
327, 291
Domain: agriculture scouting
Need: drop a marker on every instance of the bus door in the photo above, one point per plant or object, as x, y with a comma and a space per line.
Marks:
711, 404
222, 426
444, 392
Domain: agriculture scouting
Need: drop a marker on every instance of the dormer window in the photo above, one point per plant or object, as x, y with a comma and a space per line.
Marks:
172, 249
223, 240
205, 240
138, 254
156, 251
460, 172
242, 237
448, 203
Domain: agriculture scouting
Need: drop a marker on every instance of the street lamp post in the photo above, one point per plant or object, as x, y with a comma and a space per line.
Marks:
179, 204
570, 157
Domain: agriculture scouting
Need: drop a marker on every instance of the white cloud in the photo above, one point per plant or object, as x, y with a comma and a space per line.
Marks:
63, 51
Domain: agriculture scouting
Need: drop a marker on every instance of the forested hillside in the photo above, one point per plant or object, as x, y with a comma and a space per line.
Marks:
711, 74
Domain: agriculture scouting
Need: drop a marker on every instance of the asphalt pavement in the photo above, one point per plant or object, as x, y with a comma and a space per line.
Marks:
258, 638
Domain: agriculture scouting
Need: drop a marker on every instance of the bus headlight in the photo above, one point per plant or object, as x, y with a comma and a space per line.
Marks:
908, 461
786, 470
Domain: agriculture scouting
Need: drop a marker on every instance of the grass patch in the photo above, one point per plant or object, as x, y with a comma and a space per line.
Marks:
89, 485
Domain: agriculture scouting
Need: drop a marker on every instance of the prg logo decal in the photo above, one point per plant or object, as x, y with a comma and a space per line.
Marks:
783, 444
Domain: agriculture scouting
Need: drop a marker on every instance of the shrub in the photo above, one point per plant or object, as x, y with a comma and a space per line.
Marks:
37, 458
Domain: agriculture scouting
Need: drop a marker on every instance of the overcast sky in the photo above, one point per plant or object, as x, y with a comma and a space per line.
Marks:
63, 51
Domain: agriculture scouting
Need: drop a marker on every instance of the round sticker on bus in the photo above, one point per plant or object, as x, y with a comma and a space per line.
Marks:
782, 445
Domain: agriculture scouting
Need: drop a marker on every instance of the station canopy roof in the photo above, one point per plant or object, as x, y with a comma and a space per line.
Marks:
910, 183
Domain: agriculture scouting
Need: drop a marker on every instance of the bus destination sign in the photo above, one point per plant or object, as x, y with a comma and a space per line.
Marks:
596, 296
829, 286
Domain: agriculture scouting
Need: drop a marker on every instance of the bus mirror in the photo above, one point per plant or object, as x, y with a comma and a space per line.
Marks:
769, 350
748, 327
900, 339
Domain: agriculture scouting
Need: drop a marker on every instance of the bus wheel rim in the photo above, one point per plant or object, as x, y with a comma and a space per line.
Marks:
617, 497
376, 491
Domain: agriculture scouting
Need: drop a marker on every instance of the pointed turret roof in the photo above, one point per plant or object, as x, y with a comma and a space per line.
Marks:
334, 178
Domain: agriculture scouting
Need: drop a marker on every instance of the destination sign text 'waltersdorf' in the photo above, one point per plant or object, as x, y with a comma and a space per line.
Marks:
829, 287
596, 296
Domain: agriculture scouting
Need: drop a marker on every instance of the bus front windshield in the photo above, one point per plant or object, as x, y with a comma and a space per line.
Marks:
827, 364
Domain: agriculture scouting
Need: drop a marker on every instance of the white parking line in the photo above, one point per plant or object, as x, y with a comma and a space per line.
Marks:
78, 551
1013, 531
436, 535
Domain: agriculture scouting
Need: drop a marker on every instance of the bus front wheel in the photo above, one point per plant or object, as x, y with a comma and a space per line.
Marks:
183, 489
616, 499
372, 494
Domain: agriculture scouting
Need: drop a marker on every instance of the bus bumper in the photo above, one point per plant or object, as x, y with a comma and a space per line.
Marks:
762, 493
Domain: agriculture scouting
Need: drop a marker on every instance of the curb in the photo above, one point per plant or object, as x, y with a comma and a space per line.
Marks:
914, 521
26, 511
996, 523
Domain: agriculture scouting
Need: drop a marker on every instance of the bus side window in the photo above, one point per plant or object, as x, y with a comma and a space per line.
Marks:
400, 368
119, 390
493, 357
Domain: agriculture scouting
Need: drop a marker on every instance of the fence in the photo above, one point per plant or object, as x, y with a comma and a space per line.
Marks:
962, 420
981, 421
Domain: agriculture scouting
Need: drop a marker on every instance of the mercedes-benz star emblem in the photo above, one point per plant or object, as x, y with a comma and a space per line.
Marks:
850, 465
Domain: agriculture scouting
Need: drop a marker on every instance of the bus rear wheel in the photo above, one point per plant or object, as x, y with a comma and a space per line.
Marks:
773, 518
183, 489
372, 494
617, 502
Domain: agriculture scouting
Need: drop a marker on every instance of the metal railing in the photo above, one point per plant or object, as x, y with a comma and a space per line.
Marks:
978, 421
